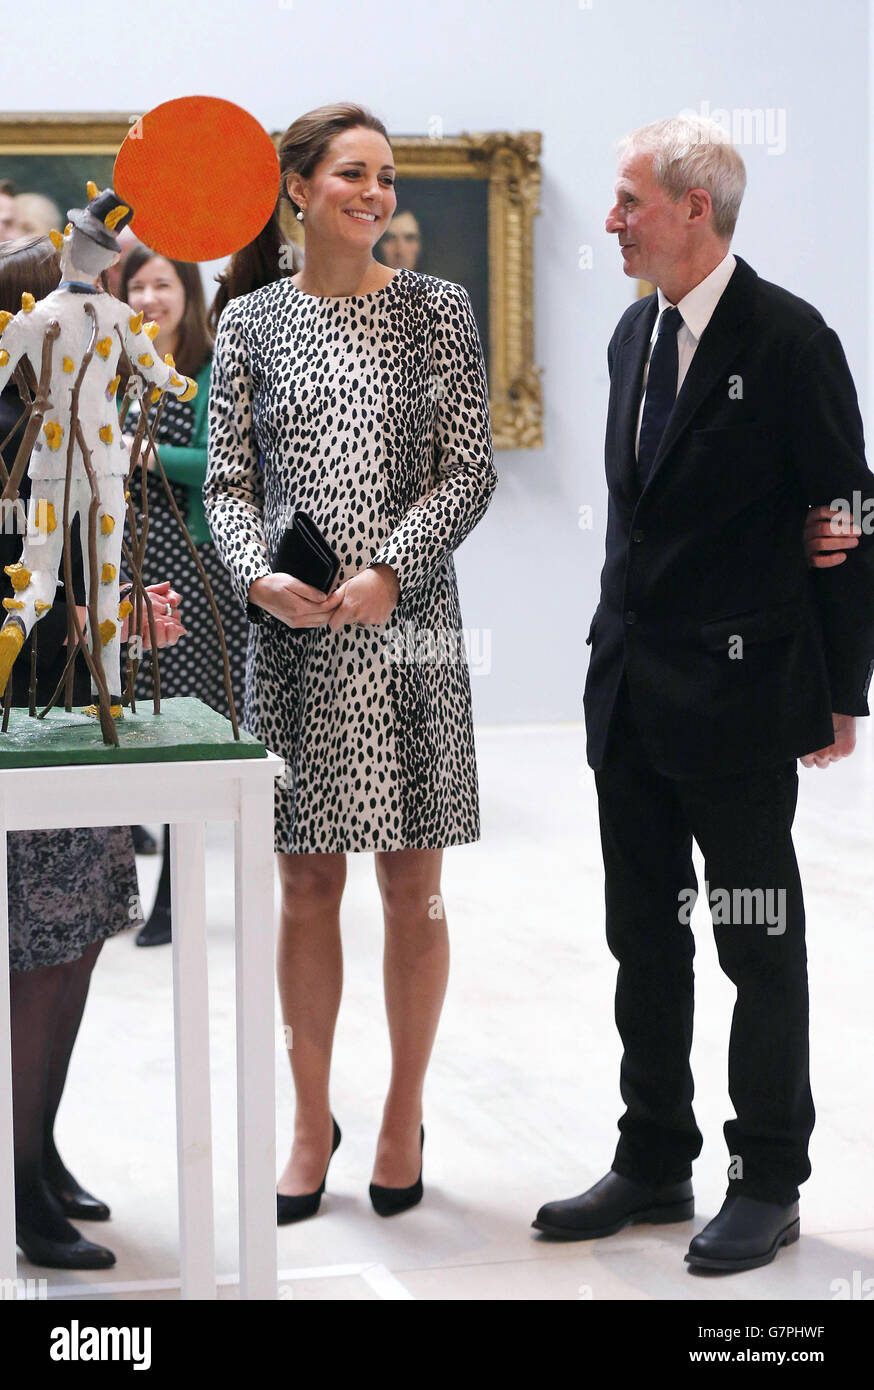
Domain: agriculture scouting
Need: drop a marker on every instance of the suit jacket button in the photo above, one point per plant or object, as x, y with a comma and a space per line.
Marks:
637, 537
630, 617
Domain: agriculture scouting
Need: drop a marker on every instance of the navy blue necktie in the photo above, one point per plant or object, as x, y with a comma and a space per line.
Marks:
661, 392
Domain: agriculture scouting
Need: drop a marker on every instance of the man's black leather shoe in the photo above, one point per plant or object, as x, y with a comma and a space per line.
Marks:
612, 1203
744, 1234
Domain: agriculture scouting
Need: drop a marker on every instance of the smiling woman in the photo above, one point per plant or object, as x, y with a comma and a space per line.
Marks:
346, 204
357, 392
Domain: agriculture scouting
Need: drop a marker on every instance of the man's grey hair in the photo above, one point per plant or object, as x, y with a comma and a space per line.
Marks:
692, 152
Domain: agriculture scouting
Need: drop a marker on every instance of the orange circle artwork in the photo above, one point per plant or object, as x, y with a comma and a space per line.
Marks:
201, 175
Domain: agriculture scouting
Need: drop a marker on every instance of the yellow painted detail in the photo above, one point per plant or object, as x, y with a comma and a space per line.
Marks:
108, 573
68, 364
107, 631
27, 302
104, 347
11, 604
5, 316
151, 329
124, 608
113, 218
107, 524
68, 229
155, 394
190, 392
146, 359
135, 322
91, 189
4, 357
45, 517
54, 433
113, 386
93, 711
41, 607
169, 359
11, 642
56, 237
105, 433
18, 574
177, 381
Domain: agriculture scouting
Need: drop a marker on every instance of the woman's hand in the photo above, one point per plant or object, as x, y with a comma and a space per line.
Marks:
368, 598
165, 605
291, 601
128, 442
828, 530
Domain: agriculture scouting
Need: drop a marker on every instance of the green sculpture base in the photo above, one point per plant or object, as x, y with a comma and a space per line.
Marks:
185, 730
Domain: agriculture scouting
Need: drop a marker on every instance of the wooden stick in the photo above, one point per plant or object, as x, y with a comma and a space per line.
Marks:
74, 651
95, 666
150, 616
7, 705
41, 403
31, 690
204, 577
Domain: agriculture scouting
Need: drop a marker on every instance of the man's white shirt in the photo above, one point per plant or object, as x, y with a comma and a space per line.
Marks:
696, 310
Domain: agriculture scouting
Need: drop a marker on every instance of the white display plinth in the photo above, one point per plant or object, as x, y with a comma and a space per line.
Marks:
185, 795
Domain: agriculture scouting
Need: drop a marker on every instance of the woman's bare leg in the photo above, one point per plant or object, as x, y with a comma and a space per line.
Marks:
309, 967
415, 969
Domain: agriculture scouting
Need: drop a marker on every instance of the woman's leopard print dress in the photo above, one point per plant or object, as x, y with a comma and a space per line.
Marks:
371, 414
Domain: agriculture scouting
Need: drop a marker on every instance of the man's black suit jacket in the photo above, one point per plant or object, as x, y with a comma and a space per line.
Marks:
766, 424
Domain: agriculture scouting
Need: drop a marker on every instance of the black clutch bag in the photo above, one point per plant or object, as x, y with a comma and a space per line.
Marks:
304, 553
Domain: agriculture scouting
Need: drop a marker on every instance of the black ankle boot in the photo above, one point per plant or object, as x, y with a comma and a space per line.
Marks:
157, 931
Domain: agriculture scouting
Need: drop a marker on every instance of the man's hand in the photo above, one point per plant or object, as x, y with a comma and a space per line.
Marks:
845, 742
367, 598
826, 529
291, 601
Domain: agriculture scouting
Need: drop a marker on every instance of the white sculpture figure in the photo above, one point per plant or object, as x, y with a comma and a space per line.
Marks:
88, 246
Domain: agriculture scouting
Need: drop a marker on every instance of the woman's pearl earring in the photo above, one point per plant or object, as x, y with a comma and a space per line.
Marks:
300, 216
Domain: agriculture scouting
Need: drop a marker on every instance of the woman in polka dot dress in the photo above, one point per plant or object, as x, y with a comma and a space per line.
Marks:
359, 395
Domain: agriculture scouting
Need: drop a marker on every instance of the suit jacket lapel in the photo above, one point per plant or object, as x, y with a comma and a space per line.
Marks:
630, 360
718, 345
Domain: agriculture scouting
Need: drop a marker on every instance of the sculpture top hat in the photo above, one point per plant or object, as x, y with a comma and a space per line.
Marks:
103, 218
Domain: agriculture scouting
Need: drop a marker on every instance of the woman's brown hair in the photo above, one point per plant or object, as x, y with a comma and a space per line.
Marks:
193, 337
301, 149
31, 264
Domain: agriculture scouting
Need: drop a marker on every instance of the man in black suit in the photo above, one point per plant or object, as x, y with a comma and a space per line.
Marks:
718, 659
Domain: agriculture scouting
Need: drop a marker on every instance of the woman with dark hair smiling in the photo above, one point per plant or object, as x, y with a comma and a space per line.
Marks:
357, 394
170, 293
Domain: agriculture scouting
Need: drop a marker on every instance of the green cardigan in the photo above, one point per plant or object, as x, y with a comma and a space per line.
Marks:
186, 463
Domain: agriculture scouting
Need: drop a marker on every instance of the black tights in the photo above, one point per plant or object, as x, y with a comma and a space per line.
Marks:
47, 1006
162, 895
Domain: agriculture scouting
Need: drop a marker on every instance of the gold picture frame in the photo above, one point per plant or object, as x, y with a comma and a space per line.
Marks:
507, 163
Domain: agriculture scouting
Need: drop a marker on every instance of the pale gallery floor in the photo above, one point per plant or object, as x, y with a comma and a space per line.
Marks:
522, 1097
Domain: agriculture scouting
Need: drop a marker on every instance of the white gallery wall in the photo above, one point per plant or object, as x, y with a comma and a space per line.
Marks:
582, 73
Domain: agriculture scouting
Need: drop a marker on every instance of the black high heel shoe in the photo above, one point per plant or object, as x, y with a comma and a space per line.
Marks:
390, 1201
290, 1209
58, 1254
75, 1201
